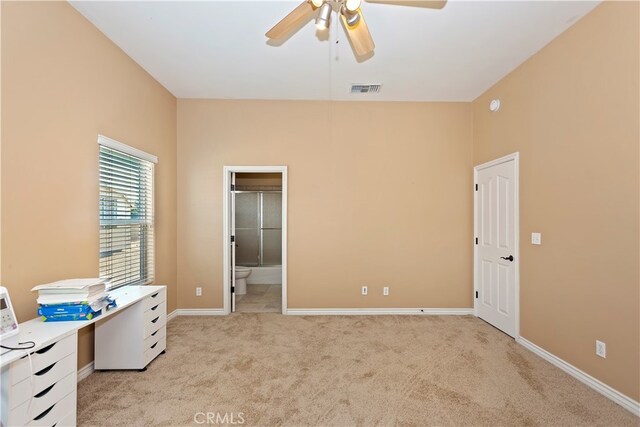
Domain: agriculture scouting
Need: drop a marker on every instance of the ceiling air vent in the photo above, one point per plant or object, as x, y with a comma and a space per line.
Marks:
359, 88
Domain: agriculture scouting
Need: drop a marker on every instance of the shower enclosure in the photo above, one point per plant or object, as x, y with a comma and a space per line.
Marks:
258, 228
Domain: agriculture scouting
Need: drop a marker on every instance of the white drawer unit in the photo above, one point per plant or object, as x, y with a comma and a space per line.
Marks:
155, 298
132, 338
44, 381
42, 358
61, 410
42, 391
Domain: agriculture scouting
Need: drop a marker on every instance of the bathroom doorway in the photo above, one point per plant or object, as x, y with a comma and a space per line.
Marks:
255, 239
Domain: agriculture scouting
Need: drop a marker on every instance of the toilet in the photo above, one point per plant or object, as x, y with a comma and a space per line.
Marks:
241, 279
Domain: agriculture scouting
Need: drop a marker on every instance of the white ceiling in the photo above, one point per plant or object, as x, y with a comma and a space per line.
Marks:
217, 49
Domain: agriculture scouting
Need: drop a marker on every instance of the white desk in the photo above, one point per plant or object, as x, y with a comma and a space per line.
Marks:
56, 348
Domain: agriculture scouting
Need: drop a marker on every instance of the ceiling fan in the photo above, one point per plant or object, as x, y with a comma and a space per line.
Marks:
350, 15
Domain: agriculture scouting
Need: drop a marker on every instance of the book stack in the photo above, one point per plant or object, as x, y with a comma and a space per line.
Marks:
72, 299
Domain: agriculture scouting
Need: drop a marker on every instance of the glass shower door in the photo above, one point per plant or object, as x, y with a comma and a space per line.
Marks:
271, 229
258, 228
247, 229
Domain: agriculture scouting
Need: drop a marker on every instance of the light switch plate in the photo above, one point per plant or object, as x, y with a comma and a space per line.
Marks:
536, 238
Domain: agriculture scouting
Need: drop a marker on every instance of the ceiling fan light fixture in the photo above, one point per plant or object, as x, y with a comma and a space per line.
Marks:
352, 5
351, 18
324, 17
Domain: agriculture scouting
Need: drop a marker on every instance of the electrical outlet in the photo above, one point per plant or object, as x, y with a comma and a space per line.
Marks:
385, 291
601, 349
364, 290
536, 238
198, 292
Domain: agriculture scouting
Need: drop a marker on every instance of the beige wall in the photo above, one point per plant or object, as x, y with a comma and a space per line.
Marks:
572, 113
63, 83
393, 207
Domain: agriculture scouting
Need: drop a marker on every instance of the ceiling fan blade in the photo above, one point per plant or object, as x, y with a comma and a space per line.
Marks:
429, 4
359, 35
293, 21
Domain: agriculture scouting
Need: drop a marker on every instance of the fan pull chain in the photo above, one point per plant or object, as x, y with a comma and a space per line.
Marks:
336, 31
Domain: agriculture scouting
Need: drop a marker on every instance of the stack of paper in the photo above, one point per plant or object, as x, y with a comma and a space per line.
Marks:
72, 299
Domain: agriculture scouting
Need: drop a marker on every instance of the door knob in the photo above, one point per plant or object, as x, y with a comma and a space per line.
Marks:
508, 258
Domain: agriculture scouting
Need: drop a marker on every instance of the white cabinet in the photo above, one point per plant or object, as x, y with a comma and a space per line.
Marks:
131, 338
42, 391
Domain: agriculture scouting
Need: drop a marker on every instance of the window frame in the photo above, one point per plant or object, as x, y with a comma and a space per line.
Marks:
149, 277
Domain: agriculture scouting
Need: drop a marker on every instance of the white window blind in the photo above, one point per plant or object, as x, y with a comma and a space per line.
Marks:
126, 218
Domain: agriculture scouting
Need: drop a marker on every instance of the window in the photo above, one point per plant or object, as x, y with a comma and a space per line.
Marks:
126, 214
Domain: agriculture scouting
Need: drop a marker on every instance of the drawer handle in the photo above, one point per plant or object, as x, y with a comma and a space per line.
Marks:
42, 350
154, 334
45, 391
44, 414
154, 346
45, 370
155, 320
155, 295
154, 308
45, 349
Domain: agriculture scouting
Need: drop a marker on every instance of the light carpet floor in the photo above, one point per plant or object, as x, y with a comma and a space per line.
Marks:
266, 369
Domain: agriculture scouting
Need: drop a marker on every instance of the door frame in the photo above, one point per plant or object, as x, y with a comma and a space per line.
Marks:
515, 157
226, 224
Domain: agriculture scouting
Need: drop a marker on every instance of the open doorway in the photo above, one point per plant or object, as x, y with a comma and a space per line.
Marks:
255, 239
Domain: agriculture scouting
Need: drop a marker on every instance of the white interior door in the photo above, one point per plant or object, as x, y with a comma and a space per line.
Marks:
232, 233
496, 259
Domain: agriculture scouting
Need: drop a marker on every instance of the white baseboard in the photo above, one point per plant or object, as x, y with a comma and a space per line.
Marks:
625, 401
171, 315
85, 371
378, 311
198, 312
